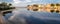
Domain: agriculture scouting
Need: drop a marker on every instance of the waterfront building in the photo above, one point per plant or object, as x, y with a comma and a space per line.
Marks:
47, 7
53, 7
36, 7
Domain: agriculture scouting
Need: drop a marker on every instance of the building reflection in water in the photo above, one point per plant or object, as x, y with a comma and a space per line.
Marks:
47, 7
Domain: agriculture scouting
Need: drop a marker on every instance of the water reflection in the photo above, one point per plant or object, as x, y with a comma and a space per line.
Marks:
8, 15
23, 16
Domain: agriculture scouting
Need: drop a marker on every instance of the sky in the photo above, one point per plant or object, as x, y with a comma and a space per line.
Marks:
22, 3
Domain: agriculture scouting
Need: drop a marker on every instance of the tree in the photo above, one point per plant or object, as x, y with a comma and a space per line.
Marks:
52, 5
4, 4
10, 4
57, 5
35, 5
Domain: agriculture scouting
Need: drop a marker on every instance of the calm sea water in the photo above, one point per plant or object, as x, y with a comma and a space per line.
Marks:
32, 17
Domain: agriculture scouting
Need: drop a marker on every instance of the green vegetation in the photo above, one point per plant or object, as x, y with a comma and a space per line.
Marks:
52, 5
5, 6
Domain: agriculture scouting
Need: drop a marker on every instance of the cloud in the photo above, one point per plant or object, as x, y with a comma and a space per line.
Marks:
16, 1
19, 1
27, 2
